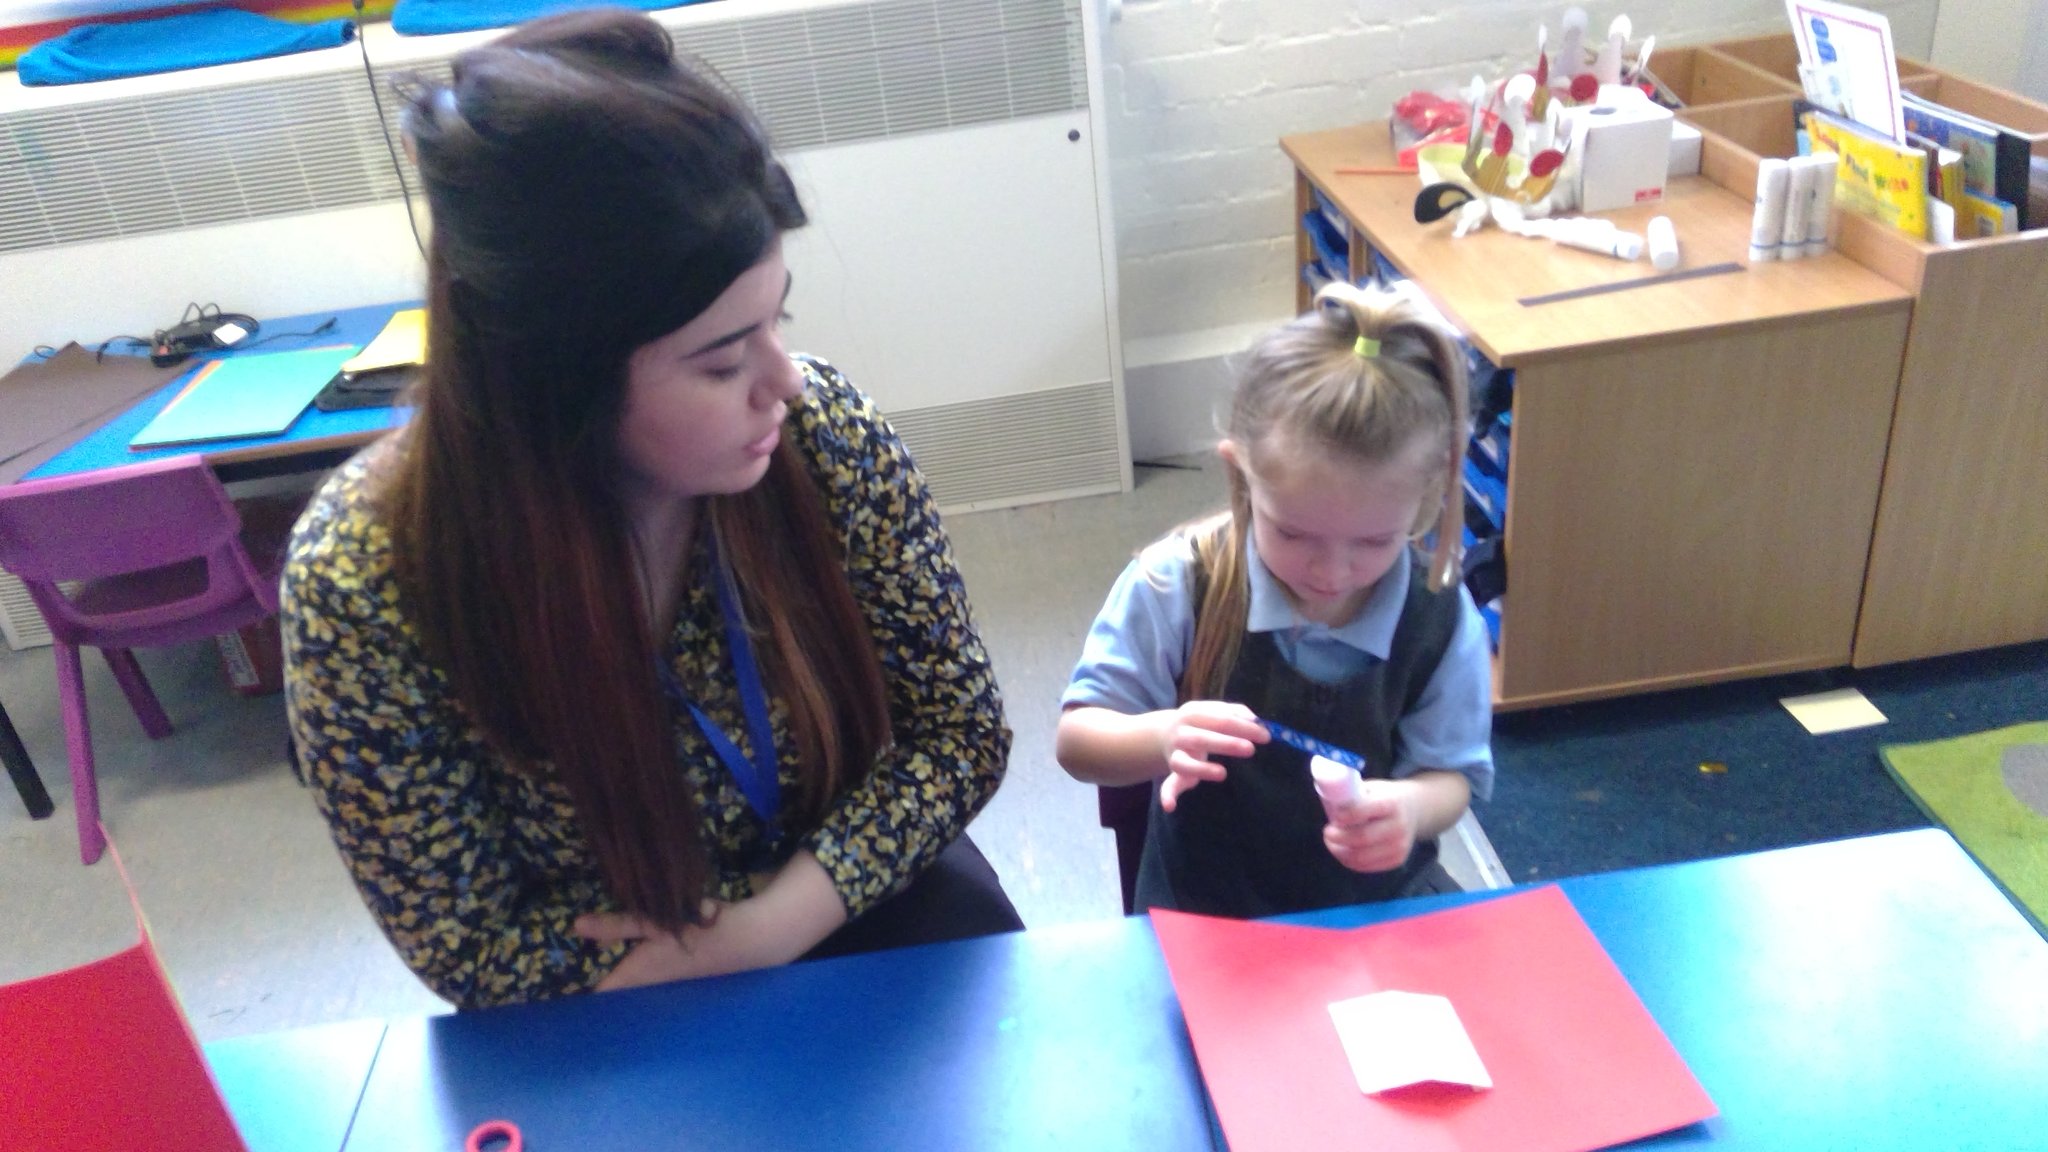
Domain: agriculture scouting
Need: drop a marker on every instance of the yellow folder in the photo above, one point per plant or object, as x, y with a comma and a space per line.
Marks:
403, 341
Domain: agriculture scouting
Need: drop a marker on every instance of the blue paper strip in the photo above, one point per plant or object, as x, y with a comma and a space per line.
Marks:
1313, 746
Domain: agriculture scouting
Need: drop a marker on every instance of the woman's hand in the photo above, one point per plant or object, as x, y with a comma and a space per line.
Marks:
1197, 730
657, 956
787, 916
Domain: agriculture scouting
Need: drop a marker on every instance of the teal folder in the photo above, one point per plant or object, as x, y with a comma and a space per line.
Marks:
244, 396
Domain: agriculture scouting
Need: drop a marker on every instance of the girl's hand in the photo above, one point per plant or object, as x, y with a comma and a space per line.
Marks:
1376, 832
1197, 730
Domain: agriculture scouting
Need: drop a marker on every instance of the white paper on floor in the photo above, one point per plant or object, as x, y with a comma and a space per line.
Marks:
1836, 711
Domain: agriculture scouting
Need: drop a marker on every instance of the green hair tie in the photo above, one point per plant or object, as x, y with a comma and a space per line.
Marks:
1366, 347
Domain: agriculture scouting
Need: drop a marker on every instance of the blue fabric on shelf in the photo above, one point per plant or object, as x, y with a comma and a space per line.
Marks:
433, 17
170, 43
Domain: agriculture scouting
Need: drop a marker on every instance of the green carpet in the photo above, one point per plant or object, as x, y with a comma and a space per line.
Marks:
1990, 791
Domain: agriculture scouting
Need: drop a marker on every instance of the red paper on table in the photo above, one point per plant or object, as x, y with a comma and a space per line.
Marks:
1576, 1060
101, 1056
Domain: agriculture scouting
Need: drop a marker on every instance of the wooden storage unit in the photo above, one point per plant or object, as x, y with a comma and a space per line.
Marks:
1959, 552
1691, 489
1803, 465
1702, 76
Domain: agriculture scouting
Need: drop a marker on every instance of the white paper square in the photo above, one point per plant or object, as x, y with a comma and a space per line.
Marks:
1837, 711
1395, 1039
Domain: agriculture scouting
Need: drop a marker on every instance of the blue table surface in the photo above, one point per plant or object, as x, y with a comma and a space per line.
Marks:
1877, 993
297, 1091
107, 446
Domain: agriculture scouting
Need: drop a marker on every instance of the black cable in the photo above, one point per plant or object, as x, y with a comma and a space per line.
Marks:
396, 166
326, 326
100, 353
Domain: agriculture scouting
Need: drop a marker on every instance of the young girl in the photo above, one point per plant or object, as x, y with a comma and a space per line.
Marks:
1303, 605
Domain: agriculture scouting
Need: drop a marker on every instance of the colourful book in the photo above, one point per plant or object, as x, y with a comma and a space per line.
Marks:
1876, 177
1994, 158
243, 396
1986, 216
1945, 179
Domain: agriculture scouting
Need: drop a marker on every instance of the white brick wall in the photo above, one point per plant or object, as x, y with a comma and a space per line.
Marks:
1197, 93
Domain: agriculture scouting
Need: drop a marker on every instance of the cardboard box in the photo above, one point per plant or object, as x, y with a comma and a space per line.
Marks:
1624, 145
1685, 150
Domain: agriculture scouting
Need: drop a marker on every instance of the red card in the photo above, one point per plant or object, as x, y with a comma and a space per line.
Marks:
1577, 1062
101, 1056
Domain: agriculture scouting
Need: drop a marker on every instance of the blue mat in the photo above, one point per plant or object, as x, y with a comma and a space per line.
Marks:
1618, 784
433, 17
171, 43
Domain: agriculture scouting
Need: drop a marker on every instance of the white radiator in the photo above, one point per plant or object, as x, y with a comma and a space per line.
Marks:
959, 266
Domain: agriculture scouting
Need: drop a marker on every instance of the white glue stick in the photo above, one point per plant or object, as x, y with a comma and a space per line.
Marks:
1820, 209
1596, 235
1663, 242
1798, 198
1340, 787
1767, 226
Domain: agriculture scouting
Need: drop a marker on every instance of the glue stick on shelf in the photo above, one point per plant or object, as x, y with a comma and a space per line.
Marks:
1798, 197
1663, 241
1595, 234
1767, 226
1820, 210
1338, 786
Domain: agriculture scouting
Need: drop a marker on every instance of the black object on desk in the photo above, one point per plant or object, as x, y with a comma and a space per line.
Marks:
380, 389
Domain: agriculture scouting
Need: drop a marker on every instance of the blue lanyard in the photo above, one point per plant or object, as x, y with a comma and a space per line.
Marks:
757, 778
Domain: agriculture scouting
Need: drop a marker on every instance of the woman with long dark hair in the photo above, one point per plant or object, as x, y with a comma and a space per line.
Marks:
639, 654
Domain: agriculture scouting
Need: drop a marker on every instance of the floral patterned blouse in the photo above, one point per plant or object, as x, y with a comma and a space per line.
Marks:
476, 873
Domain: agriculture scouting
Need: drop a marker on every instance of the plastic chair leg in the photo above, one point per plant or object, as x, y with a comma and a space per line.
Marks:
135, 686
22, 770
85, 791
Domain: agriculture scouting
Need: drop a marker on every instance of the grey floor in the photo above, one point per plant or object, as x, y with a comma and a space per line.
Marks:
258, 924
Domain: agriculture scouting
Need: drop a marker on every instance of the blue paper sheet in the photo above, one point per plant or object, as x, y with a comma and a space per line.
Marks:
171, 43
244, 396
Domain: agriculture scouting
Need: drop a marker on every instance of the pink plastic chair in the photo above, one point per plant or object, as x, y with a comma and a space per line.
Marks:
159, 553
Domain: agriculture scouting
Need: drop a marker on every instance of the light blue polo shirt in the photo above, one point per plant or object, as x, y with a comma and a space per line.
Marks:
1139, 645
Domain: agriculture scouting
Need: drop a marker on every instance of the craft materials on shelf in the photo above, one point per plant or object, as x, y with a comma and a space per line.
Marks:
1662, 240
1627, 285
1799, 188
1607, 65
1589, 233
1767, 225
1525, 152
1819, 169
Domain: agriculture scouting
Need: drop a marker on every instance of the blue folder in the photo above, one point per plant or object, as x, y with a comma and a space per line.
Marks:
244, 396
